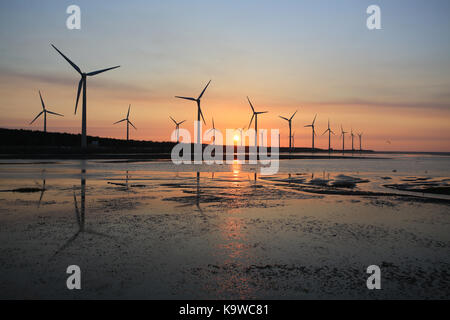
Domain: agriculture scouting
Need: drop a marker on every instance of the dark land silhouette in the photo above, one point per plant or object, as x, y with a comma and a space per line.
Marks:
19, 143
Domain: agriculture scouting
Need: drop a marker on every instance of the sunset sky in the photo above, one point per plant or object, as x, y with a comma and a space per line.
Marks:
315, 56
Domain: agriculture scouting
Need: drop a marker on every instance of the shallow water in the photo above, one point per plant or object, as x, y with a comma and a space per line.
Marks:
156, 230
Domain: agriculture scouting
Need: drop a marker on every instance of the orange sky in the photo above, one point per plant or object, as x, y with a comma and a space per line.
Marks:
393, 84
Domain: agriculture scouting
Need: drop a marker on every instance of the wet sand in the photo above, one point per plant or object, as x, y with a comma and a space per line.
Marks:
138, 231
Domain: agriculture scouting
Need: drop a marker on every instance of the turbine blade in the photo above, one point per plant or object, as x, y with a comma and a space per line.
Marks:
119, 121
293, 115
80, 85
253, 115
314, 119
93, 73
37, 117
56, 114
181, 122
262, 112
253, 109
325, 131
42, 101
201, 94
308, 126
186, 98
132, 124
213, 123
284, 118
68, 60
201, 113
173, 120
128, 110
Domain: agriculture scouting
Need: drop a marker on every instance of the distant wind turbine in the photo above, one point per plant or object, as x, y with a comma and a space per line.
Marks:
44, 111
255, 115
329, 135
343, 139
360, 138
127, 119
290, 127
313, 130
352, 135
199, 110
82, 85
177, 127
214, 131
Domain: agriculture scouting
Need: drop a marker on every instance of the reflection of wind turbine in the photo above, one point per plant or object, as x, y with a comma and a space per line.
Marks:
214, 131
255, 115
127, 119
44, 111
80, 216
199, 110
313, 130
360, 138
290, 127
177, 127
82, 85
343, 139
329, 135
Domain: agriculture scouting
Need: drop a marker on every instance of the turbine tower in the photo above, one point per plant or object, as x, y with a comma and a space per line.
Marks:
290, 127
44, 111
313, 130
255, 115
127, 119
360, 138
293, 140
82, 85
177, 127
199, 110
329, 136
352, 135
343, 139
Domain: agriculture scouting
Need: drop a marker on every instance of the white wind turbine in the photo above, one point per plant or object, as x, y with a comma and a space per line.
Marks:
82, 85
44, 111
127, 119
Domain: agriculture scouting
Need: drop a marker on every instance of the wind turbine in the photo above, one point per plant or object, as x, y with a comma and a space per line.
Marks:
255, 115
290, 127
343, 139
352, 135
199, 110
44, 111
360, 137
127, 119
213, 130
177, 127
82, 85
313, 130
329, 135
